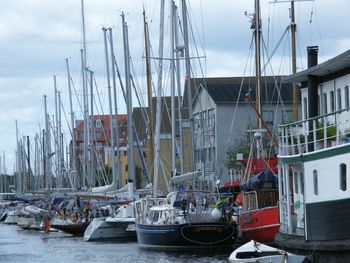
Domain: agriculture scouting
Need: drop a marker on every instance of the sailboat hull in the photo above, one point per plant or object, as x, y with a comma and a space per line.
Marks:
100, 230
185, 235
76, 229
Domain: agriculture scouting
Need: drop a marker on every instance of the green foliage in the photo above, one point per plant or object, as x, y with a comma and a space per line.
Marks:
240, 145
243, 145
331, 131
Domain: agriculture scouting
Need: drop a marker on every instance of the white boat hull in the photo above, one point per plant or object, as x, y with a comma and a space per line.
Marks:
254, 252
11, 218
100, 230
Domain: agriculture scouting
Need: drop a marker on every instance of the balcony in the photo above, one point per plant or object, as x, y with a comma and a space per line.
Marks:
314, 134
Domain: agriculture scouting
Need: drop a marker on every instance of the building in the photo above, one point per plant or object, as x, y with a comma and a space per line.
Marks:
182, 161
100, 138
221, 114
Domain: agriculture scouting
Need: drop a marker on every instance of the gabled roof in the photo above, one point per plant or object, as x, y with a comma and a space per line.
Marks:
228, 90
328, 67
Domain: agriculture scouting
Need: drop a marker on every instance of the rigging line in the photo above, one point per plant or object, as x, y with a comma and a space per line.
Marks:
229, 138
190, 23
143, 114
76, 93
137, 88
319, 32
275, 49
65, 116
273, 75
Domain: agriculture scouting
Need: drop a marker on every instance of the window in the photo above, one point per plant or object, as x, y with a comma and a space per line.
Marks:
295, 175
339, 99
324, 103
315, 182
267, 116
342, 173
332, 100
98, 123
211, 116
305, 108
126, 168
125, 153
99, 134
287, 116
346, 89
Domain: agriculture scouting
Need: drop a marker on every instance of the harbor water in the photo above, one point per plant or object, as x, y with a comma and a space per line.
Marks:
27, 246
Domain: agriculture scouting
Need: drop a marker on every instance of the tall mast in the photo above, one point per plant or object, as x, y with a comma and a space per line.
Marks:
92, 129
114, 183
47, 148
172, 87
19, 181
159, 98
131, 170
149, 95
85, 97
86, 121
257, 33
74, 142
60, 142
188, 78
293, 27
178, 81
118, 178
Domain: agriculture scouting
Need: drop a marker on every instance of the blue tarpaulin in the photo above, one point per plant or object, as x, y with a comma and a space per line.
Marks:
257, 181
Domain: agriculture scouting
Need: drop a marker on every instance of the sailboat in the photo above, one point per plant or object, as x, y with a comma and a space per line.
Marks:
188, 217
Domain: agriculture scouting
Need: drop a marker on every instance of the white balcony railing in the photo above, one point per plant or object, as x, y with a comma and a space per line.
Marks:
315, 133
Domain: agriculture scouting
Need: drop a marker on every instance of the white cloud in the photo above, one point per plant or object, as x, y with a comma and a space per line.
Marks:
37, 35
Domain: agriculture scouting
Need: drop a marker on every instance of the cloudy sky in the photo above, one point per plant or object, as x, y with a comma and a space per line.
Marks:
37, 35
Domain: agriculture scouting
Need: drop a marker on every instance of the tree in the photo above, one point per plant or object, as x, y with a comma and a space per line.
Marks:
240, 145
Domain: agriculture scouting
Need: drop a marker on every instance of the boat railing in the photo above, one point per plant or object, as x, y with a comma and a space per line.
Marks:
314, 134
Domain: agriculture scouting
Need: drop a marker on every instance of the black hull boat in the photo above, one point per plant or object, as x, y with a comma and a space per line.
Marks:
198, 235
76, 229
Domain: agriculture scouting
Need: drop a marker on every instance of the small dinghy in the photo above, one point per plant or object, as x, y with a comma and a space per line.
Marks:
256, 252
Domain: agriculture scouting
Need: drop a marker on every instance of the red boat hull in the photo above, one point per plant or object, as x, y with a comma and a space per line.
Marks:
260, 225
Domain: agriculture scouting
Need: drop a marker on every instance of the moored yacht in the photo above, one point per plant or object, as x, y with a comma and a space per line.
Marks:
184, 219
119, 226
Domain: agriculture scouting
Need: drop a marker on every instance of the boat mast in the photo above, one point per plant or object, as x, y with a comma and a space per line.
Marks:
118, 177
149, 95
74, 142
257, 34
114, 182
85, 95
47, 148
159, 98
92, 129
131, 170
293, 27
178, 50
172, 91
19, 179
188, 78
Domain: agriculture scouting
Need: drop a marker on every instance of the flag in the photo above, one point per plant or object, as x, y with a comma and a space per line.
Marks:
222, 203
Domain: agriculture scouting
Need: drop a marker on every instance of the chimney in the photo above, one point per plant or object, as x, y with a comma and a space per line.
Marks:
312, 84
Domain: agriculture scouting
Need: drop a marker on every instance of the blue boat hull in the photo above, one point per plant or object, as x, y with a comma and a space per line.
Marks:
186, 235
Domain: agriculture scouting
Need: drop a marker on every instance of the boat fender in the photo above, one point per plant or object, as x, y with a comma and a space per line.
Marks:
215, 214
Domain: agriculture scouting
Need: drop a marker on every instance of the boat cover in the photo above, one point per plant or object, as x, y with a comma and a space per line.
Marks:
258, 181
